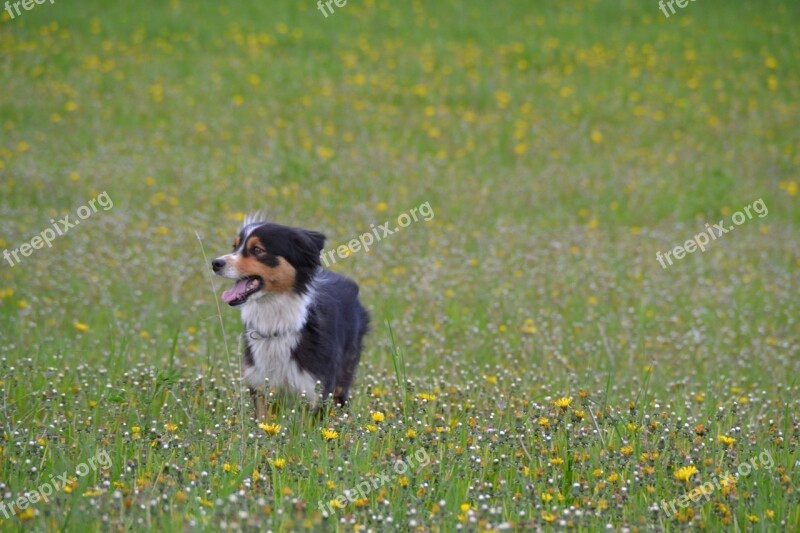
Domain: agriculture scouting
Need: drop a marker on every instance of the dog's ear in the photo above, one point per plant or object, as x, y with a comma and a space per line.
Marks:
307, 247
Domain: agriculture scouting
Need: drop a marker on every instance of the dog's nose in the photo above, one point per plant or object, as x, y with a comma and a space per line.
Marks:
217, 264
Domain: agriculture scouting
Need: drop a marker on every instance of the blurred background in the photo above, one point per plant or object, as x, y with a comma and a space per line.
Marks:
560, 145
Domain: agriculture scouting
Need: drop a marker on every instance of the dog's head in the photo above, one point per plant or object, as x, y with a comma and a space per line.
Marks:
269, 259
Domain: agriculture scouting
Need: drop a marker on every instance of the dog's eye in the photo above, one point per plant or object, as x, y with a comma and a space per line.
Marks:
256, 250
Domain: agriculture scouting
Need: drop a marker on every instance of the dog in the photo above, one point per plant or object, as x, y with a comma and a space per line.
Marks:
303, 325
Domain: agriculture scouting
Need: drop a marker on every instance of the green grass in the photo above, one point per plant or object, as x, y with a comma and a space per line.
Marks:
560, 146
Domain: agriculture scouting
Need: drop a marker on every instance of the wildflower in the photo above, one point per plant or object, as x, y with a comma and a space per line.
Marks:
377, 417
324, 153
371, 428
563, 403
411, 434
270, 429
83, 328
545, 423
426, 397
727, 441
336, 504
278, 463
683, 474
329, 434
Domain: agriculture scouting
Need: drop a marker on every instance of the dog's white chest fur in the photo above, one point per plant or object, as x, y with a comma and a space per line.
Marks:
273, 365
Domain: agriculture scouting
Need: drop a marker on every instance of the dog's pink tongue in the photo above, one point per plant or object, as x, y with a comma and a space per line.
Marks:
235, 292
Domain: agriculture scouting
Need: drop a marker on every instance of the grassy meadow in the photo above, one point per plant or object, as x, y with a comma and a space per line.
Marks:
525, 339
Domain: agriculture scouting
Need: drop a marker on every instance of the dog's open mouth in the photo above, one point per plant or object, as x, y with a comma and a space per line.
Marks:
242, 290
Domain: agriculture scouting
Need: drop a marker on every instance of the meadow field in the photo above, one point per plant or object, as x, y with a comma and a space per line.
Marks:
551, 349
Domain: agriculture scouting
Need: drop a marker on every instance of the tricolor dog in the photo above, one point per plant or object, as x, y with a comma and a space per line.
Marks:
303, 326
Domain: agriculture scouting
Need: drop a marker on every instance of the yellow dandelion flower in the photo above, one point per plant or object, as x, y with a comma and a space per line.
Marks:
381, 207
727, 441
336, 504
686, 472
324, 153
563, 403
426, 397
377, 416
596, 136
80, 326
171, 427
411, 434
270, 429
371, 428
545, 423
278, 463
329, 434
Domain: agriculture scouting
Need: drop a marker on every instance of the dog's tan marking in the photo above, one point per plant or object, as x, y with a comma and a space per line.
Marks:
236, 242
279, 279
